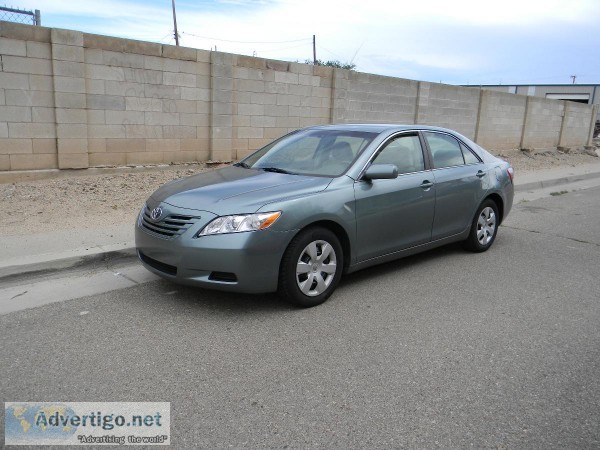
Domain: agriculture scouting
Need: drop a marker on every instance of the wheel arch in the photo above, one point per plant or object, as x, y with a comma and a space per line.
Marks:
339, 232
497, 199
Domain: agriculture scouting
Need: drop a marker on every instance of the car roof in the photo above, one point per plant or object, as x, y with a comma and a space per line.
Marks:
377, 127
389, 128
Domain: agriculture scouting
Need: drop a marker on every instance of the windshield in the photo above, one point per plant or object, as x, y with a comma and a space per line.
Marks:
311, 152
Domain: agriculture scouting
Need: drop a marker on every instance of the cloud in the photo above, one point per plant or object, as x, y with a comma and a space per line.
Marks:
454, 41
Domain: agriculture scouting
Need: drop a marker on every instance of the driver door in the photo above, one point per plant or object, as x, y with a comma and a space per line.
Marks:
396, 214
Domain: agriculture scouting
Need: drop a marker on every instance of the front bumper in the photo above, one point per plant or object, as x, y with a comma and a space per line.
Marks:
239, 262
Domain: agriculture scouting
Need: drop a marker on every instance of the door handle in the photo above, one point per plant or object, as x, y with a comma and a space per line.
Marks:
426, 184
480, 173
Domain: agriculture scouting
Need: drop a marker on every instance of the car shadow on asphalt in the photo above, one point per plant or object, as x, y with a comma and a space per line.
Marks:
195, 300
398, 265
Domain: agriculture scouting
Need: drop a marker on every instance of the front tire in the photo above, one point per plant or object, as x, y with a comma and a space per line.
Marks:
483, 228
311, 267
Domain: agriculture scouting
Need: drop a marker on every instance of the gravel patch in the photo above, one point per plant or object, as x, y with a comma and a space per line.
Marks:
82, 201
550, 159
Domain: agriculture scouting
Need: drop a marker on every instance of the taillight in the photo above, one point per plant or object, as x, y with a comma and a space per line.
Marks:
511, 173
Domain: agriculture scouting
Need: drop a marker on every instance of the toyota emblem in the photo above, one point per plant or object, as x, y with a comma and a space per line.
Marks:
156, 213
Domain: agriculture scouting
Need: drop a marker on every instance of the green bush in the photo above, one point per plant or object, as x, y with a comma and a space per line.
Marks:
336, 64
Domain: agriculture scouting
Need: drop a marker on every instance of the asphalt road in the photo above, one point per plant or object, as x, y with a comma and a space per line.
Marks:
445, 349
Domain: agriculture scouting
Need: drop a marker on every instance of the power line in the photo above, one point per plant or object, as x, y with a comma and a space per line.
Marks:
284, 48
330, 52
247, 42
169, 34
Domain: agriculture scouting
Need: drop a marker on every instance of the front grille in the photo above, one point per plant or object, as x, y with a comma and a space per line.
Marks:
166, 268
170, 226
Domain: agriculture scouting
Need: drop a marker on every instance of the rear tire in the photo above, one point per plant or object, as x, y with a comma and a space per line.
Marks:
311, 267
484, 228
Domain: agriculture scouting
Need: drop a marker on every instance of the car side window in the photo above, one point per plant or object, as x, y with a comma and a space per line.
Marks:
445, 150
469, 156
404, 152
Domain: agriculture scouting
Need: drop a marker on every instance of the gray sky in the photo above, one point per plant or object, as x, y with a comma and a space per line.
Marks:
456, 42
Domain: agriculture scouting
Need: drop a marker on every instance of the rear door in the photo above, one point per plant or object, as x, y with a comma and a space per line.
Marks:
460, 180
395, 214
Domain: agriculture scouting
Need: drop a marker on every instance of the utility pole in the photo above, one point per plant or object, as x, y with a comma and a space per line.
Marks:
314, 50
573, 77
175, 23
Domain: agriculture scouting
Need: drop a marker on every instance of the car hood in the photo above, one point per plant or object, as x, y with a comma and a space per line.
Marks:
234, 190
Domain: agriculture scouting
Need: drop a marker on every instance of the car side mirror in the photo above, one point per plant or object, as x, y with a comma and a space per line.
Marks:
381, 172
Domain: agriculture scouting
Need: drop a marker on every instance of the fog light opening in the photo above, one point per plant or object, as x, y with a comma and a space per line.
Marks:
225, 277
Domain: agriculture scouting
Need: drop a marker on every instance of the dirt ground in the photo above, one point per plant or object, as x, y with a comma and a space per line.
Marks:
94, 201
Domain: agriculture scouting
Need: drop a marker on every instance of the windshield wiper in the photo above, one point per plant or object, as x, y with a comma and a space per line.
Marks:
276, 170
242, 164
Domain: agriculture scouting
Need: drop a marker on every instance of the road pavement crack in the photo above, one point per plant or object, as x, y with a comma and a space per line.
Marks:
126, 277
581, 241
18, 295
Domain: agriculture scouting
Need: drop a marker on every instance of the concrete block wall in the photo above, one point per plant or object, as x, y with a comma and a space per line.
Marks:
501, 118
221, 105
272, 98
448, 106
146, 103
576, 123
543, 123
68, 79
378, 99
28, 133
75, 100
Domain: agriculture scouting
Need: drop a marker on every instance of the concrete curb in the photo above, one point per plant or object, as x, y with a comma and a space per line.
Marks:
49, 266
541, 184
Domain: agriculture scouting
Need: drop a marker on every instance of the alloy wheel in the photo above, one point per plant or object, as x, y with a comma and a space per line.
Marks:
486, 225
316, 268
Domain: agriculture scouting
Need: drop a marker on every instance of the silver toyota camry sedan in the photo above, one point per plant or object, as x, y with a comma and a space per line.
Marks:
321, 202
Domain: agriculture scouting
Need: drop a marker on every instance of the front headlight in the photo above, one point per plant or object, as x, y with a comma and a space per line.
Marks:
240, 223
